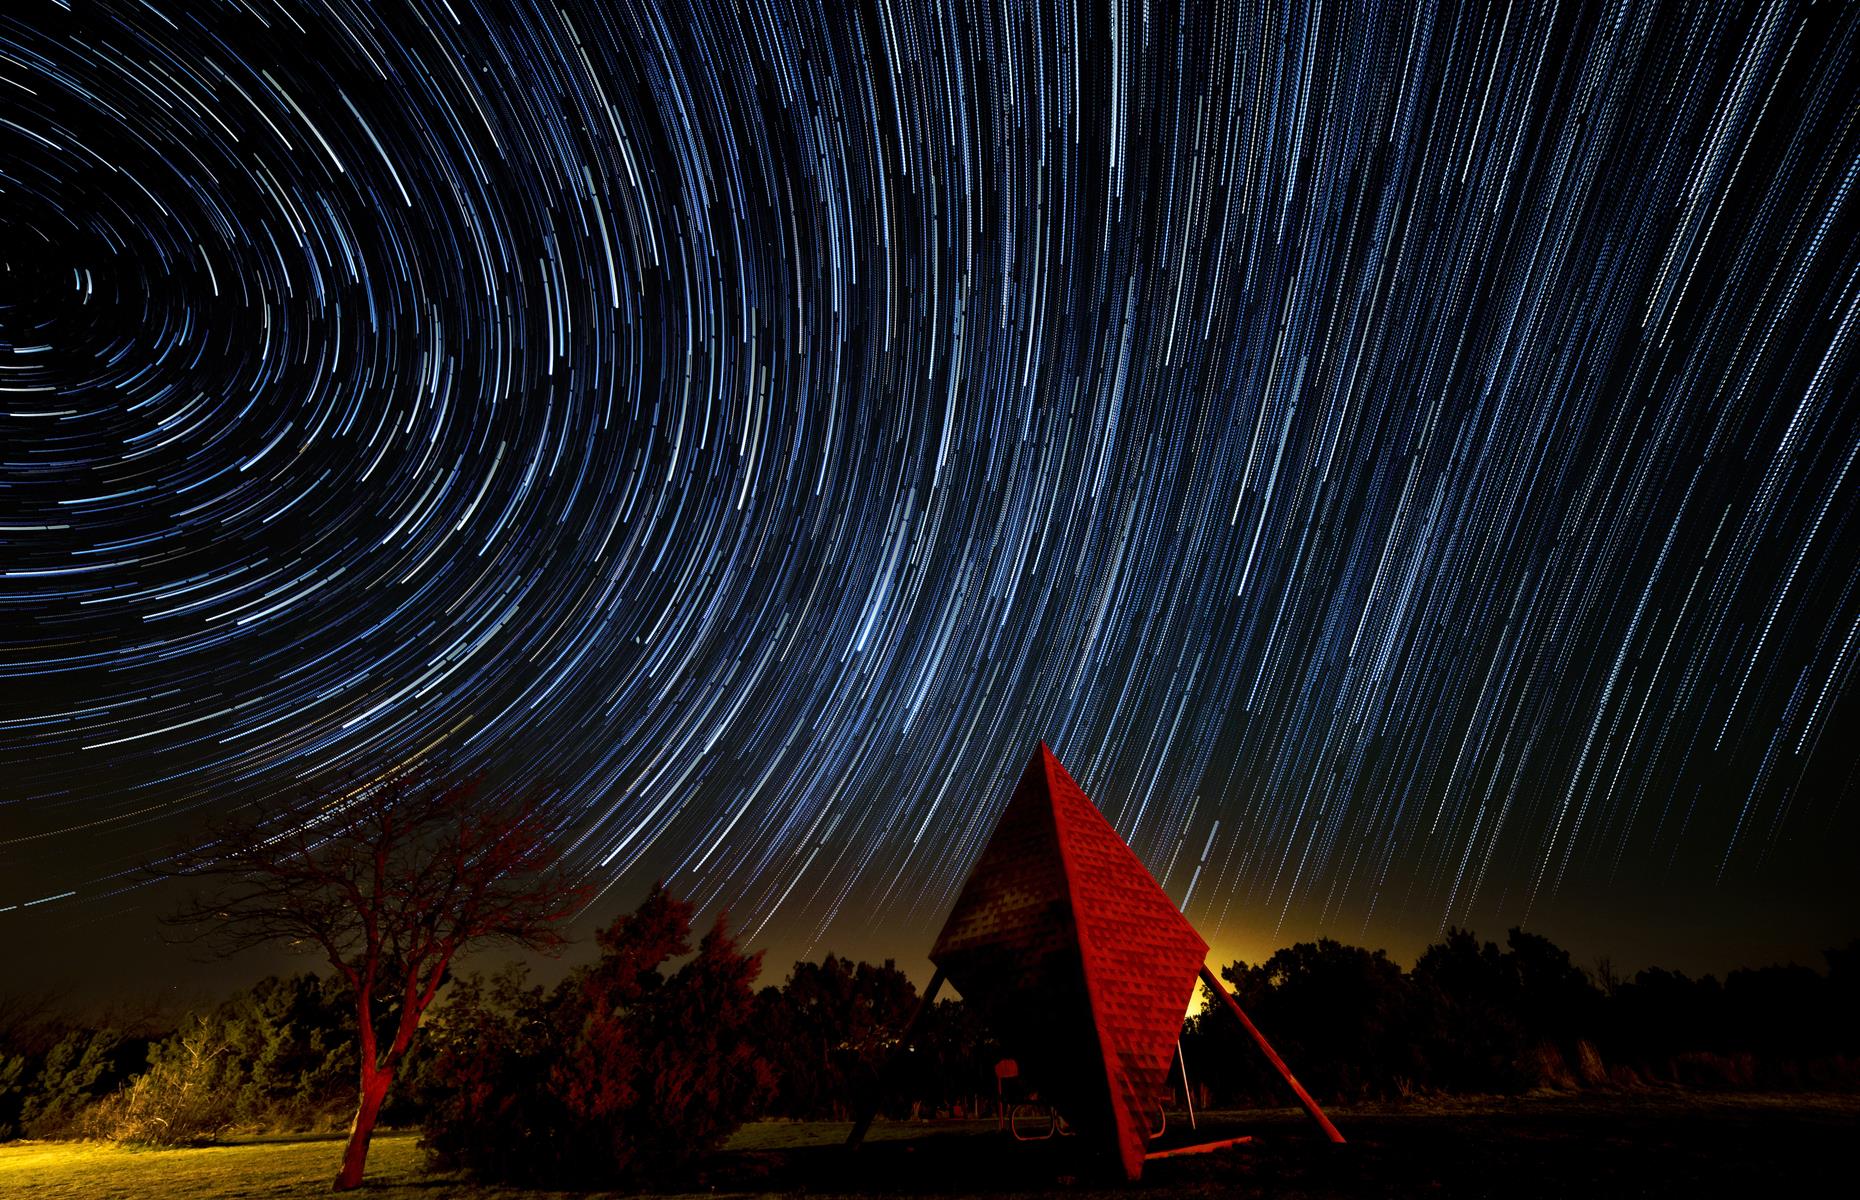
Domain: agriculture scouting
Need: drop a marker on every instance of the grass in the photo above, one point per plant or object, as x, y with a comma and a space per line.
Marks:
94, 1171
1649, 1144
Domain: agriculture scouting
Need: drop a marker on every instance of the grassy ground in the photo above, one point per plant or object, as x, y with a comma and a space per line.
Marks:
1658, 1145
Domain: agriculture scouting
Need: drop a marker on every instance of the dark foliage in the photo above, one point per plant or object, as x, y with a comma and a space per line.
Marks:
54, 1064
1345, 1017
278, 1055
82, 1067
621, 1074
1473, 1022
950, 1062
625, 1072
827, 1031
1474, 1018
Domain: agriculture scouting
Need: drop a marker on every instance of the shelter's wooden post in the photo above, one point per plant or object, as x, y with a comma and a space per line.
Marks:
1311, 1107
1188, 1095
870, 1109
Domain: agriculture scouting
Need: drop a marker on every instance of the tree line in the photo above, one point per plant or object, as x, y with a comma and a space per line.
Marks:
1475, 1017
647, 1057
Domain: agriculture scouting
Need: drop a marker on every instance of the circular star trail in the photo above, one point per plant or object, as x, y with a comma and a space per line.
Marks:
1401, 458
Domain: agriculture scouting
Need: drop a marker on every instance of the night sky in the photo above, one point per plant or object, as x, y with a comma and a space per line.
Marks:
1403, 461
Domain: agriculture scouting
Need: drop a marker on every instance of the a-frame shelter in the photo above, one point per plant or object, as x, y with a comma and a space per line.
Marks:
1079, 963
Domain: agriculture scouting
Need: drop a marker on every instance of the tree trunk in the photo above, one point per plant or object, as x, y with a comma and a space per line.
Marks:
374, 1090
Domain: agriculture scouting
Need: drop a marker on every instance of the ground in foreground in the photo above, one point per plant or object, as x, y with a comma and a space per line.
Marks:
1625, 1145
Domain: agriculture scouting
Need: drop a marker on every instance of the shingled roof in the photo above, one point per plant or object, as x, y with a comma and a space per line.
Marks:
1075, 957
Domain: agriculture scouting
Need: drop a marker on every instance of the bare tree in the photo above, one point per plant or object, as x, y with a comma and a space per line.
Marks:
388, 881
1606, 977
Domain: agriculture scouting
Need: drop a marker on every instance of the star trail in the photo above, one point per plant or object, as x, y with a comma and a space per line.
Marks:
1402, 458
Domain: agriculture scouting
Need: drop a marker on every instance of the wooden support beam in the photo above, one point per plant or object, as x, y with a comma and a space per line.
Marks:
1311, 1106
1199, 1148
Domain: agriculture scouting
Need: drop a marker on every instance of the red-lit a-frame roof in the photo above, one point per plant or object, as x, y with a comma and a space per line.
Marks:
1076, 958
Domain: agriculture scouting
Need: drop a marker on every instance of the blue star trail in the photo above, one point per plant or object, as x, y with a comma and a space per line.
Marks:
1402, 458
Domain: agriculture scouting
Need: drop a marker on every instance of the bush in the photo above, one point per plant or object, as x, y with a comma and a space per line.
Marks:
278, 1055
188, 1094
292, 1042
84, 1066
621, 1075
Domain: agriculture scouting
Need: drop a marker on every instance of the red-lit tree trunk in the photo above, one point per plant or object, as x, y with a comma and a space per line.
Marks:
376, 1076
355, 1156
390, 881
377, 1067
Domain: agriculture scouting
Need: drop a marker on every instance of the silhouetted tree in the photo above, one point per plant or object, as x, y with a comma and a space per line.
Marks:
1659, 1014
56, 1063
1342, 1015
829, 1028
389, 882
1844, 993
951, 1059
622, 1075
1557, 1000
1474, 1033
1779, 1011
29, 1027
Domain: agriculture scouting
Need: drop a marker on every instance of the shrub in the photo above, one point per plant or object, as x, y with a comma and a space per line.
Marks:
1589, 1064
84, 1066
621, 1075
1546, 1068
189, 1093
